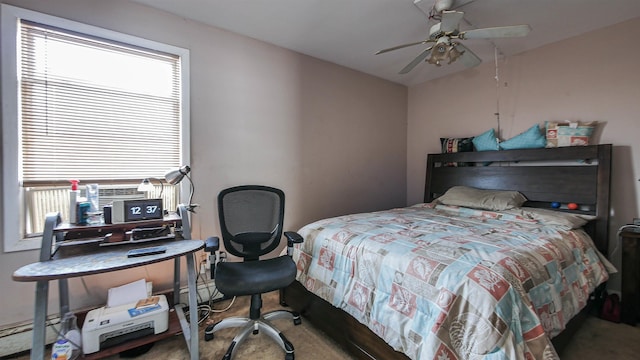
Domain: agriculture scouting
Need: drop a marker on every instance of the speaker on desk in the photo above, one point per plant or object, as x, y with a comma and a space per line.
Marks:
106, 211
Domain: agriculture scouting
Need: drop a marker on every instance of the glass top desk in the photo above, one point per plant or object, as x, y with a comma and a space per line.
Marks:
89, 259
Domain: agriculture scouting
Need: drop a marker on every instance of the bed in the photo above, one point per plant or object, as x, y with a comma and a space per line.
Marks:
500, 300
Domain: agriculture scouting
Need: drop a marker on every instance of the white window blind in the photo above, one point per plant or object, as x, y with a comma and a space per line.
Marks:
94, 109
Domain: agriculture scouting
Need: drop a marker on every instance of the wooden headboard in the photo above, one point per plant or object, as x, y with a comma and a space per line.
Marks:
578, 174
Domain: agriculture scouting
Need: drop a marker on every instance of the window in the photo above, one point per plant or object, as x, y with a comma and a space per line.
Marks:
80, 102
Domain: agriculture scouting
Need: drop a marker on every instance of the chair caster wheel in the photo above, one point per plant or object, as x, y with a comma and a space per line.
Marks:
297, 321
255, 332
289, 356
226, 357
208, 333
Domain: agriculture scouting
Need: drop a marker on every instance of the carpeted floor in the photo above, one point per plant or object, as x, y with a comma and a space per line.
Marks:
601, 339
597, 339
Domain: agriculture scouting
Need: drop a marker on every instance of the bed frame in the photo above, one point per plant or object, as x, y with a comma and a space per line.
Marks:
578, 175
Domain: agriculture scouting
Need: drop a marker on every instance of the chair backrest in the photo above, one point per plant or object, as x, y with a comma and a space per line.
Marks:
251, 219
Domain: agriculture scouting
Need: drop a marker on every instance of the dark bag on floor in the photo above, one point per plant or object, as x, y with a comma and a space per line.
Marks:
611, 308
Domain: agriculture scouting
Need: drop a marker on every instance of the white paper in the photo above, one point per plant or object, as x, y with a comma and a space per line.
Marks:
128, 293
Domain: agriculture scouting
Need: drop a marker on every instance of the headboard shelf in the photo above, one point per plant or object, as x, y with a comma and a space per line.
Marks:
544, 154
577, 174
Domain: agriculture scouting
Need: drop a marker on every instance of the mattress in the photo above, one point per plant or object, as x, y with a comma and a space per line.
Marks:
445, 282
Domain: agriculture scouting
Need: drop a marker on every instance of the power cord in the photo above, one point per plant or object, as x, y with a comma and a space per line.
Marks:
206, 309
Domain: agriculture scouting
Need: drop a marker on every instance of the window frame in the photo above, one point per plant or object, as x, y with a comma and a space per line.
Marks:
12, 199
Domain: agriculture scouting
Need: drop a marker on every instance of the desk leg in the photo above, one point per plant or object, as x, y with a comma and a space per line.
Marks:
176, 280
39, 320
193, 307
63, 287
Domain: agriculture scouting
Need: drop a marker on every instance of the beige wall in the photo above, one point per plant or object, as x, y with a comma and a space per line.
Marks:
590, 77
333, 139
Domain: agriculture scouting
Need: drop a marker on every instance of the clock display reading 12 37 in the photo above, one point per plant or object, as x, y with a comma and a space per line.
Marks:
135, 210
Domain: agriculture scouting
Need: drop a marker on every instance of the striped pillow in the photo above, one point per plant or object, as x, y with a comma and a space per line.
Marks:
454, 145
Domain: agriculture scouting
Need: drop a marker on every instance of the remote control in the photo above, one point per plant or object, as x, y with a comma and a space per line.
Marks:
147, 251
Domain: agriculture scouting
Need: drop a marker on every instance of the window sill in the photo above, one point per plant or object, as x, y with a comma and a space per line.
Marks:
33, 243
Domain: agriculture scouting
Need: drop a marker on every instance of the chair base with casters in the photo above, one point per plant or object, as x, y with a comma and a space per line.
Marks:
255, 326
233, 278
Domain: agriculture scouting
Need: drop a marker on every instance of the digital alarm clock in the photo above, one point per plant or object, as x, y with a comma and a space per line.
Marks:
135, 210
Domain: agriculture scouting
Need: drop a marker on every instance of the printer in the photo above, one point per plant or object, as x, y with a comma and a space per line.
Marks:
108, 326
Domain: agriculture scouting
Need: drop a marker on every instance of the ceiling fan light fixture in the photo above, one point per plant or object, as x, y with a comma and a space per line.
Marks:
454, 53
433, 61
443, 51
438, 54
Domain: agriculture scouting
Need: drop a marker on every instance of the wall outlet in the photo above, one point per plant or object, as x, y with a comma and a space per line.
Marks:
204, 291
207, 263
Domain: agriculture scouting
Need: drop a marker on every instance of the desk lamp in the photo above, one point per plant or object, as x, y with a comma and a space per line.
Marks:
147, 186
175, 176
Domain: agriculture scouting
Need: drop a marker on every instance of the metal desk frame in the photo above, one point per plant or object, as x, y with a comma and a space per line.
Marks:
33, 272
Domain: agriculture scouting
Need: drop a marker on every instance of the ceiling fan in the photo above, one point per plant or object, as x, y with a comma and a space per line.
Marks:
446, 35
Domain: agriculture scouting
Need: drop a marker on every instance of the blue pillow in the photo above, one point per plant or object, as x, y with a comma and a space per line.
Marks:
486, 141
530, 139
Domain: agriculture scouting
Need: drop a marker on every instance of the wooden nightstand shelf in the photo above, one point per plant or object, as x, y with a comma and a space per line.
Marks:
630, 276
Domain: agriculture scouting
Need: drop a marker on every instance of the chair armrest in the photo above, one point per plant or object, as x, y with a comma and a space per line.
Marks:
212, 244
292, 238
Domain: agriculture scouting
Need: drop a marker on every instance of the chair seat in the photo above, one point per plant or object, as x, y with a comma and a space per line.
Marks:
254, 277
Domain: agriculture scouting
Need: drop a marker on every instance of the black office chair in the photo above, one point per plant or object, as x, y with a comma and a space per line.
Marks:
251, 218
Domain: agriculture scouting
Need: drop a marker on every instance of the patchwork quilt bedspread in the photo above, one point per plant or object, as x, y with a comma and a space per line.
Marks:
440, 282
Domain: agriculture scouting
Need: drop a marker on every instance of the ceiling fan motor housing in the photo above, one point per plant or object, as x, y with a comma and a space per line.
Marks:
442, 5
434, 32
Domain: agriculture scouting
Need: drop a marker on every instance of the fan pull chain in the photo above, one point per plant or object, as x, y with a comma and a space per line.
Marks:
497, 113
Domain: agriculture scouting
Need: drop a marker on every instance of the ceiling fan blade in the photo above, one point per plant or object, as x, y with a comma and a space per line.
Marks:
461, 3
468, 58
427, 5
403, 46
423, 55
450, 20
496, 32
424, 6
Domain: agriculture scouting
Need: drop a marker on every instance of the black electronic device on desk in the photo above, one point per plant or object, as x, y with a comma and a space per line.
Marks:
140, 235
151, 233
123, 211
154, 250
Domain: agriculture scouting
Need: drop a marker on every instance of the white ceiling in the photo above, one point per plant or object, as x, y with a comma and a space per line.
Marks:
349, 32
